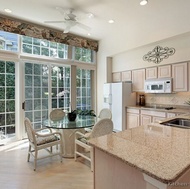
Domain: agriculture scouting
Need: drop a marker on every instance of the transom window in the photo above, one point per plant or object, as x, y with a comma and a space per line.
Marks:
8, 41
83, 55
43, 47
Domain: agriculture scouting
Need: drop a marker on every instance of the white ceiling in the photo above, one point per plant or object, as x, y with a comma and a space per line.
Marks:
134, 25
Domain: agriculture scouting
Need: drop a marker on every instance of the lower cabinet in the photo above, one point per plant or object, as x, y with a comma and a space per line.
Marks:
149, 116
146, 119
132, 118
136, 117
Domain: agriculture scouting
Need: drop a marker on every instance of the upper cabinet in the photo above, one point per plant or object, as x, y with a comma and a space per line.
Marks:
116, 77
179, 74
126, 76
151, 73
164, 71
138, 78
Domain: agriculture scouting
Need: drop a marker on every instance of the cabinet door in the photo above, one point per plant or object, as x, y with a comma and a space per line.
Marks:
126, 76
157, 119
151, 73
146, 119
132, 120
116, 77
171, 115
138, 77
164, 71
179, 74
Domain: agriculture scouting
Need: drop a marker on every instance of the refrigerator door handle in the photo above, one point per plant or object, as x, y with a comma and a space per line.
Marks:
110, 99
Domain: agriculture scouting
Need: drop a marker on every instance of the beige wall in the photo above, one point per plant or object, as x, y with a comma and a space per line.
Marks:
132, 59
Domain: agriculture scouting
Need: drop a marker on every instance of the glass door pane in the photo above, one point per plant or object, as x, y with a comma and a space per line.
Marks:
36, 93
84, 96
7, 100
60, 78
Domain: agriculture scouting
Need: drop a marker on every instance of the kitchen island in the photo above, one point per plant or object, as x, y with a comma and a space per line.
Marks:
145, 157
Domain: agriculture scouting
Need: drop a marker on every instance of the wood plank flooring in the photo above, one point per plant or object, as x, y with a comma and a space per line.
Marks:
17, 173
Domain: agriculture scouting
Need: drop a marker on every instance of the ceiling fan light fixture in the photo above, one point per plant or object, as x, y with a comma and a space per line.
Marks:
143, 2
90, 15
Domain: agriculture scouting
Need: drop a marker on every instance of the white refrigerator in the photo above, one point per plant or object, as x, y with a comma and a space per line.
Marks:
116, 97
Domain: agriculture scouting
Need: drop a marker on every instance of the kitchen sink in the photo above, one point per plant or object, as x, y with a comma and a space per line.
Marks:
178, 122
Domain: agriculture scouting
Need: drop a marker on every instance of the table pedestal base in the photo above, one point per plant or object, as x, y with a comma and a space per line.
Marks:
69, 141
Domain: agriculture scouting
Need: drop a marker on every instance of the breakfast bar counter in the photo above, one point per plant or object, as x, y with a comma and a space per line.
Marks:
150, 157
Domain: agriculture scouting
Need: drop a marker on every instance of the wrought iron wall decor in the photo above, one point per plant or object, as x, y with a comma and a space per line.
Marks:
158, 54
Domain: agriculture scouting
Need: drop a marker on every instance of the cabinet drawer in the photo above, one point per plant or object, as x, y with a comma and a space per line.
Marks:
153, 113
133, 110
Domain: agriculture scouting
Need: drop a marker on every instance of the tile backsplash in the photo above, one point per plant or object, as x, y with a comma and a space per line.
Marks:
174, 99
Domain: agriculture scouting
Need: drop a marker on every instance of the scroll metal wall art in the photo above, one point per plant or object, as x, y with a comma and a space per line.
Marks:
158, 54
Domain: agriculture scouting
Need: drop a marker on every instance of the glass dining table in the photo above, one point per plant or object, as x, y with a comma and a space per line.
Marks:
68, 128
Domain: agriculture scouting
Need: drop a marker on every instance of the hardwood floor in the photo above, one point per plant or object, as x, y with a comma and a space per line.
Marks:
17, 173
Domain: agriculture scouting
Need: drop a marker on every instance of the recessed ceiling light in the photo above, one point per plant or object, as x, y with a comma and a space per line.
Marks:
88, 34
143, 2
111, 21
8, 10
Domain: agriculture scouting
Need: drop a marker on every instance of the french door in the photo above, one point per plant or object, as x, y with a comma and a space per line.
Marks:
46, 87
7, 100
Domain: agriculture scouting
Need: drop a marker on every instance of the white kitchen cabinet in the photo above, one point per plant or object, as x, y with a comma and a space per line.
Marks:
157, 119
132, 118
148, 116
116, 77
171, 115
146, 119
126, 76
151, 73
138, 78
179, 74
164, 71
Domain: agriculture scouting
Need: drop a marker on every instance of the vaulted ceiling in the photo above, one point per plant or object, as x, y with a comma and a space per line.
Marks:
134, 25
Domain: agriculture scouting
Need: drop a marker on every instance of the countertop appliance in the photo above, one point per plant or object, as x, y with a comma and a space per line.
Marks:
162, 85
116, 97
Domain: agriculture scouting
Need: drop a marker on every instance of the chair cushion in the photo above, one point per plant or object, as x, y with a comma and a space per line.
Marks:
44, 140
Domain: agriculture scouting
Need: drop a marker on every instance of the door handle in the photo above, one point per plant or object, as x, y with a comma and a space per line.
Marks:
23, 105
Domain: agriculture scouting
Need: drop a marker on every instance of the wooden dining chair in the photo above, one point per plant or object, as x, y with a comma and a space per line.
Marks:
102, 127
38, 141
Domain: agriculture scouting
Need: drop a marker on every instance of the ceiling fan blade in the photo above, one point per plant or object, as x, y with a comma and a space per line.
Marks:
67, 29
61, 21
83, 26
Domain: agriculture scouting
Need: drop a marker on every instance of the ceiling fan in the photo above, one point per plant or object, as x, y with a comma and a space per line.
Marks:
70, 19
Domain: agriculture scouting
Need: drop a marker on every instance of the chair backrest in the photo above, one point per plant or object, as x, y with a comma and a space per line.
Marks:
56, 114
105, 113
102, 127
29, 130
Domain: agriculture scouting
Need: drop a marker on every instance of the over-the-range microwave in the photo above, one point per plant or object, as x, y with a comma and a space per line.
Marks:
162, 85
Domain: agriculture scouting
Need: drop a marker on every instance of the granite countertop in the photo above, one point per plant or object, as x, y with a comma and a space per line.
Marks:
161, 152
159, 108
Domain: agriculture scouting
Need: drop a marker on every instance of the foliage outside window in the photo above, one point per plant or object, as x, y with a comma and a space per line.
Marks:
83, 55
60, 87
7, 98
8, 41
43, 47
84, 89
